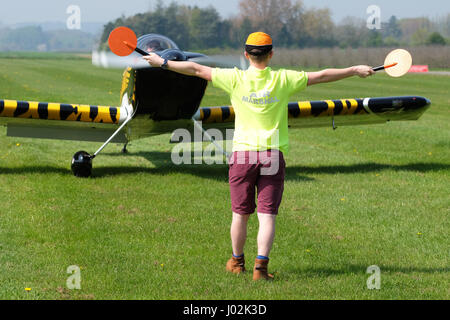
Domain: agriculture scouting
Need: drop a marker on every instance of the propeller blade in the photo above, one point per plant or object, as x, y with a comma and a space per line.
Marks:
106, 59
222, 61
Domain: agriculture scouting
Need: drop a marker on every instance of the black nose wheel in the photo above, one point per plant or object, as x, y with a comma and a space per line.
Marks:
82, 164
82, 161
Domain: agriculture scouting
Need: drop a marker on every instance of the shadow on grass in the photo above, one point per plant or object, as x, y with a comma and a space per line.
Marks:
34, 169
371, 167
361, 269
219, 172
163, 164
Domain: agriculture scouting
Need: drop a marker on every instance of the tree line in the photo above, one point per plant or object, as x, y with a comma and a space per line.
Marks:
33, 38
290, 23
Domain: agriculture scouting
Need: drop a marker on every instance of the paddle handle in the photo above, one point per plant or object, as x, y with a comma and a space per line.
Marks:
144, 53
378, 68
383, 67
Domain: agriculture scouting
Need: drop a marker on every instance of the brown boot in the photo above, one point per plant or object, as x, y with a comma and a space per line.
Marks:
260, 270
236, 265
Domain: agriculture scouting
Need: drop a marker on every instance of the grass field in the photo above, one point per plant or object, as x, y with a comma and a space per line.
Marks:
144, 228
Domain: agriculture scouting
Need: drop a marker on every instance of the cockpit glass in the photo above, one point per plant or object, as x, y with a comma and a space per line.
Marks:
155, 43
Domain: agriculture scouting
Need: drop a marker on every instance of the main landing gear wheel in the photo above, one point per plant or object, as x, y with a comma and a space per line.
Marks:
82, 164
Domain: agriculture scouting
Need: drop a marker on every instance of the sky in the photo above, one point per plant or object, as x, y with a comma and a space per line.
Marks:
28, 11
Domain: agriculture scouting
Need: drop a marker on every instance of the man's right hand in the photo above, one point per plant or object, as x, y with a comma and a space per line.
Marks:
363, 71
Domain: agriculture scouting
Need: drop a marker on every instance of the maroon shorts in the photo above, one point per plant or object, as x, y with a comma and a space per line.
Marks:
256, 171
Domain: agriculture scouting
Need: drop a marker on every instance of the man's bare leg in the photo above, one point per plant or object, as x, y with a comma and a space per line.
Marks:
266, 233
238, 232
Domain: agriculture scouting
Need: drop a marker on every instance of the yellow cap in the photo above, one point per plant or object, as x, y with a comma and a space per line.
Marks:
259, 39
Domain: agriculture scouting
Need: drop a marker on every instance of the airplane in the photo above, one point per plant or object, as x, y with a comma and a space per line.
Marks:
174, 102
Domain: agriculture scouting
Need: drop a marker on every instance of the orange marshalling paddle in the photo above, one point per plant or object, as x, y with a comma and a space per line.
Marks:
123, 41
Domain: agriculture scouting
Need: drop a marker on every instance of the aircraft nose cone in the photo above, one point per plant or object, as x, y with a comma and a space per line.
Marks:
421, 102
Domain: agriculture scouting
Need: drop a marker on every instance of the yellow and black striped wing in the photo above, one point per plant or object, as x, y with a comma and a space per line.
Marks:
59, 111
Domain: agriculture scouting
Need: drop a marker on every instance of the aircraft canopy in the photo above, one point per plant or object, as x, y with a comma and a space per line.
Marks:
155, 43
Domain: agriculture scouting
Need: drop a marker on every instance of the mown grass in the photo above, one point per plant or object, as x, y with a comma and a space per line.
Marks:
144, 228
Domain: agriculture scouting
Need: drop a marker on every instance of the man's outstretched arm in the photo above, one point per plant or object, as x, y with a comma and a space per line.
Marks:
330, 75
188, 68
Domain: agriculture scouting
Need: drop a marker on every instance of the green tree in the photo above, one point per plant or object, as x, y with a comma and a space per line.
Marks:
318, 28
420, 37
225, 34
391, 42
171, 21
351, 32
374, 39
240, 28
24, 39
205, 28
415, 30
392, 28
280, 18
436, 38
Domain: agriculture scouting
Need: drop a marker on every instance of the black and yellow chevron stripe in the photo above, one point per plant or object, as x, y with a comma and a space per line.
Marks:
326, 108
59, 111
217, 114
296, 109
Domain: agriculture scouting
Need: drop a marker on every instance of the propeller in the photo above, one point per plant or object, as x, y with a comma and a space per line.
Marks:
107, 59
222, 61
